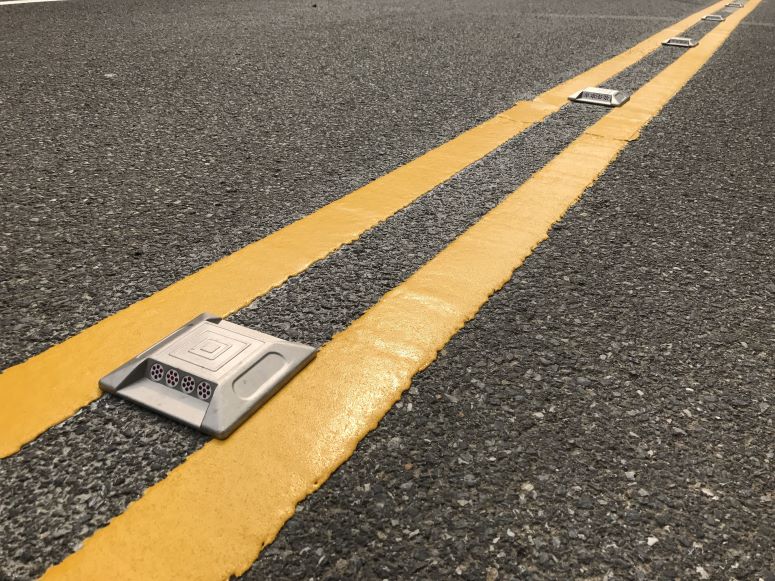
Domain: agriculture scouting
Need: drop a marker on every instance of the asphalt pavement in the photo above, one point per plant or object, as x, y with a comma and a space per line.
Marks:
143, 140
608, 414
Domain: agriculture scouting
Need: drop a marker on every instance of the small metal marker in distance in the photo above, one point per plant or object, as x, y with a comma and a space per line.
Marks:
713, 17
600, 96
735, 5
681, 41
209, 374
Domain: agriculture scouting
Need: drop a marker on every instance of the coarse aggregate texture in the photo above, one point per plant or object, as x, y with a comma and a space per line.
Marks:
143, 140
609, 413
309, 308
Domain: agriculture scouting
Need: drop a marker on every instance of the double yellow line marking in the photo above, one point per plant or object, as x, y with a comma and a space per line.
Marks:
211, 516
50, 387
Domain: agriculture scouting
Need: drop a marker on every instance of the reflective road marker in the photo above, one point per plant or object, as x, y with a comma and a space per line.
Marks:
600, 96
210, 374
197, 524
48, 388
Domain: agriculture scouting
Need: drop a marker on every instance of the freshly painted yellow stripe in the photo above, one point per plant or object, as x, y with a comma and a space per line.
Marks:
49, 387
212, 515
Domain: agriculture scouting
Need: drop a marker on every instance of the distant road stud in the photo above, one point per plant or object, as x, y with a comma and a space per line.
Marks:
735, 5
600, 96
713, 18
681, 41
209, 374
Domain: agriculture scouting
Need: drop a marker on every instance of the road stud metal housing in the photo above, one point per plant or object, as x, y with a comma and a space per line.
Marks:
209, 374
714, 18
680, 41
600, 96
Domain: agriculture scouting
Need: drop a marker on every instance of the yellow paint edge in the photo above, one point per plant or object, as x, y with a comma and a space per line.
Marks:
51, 386
212, 515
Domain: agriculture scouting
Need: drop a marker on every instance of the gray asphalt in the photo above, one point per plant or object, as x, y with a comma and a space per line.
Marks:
609, 413
143, 140
619, 388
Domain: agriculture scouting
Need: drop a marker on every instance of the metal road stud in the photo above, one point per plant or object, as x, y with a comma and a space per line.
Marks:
209, 374
713, 17
681, 41
735, 5
600, 96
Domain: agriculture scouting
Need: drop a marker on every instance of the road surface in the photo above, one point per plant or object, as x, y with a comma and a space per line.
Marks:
607, 413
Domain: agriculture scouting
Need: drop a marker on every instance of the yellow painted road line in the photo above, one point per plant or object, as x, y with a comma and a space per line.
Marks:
211, 516
49, 387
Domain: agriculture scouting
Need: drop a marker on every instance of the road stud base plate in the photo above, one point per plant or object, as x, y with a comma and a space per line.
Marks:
209, 374
600, 96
